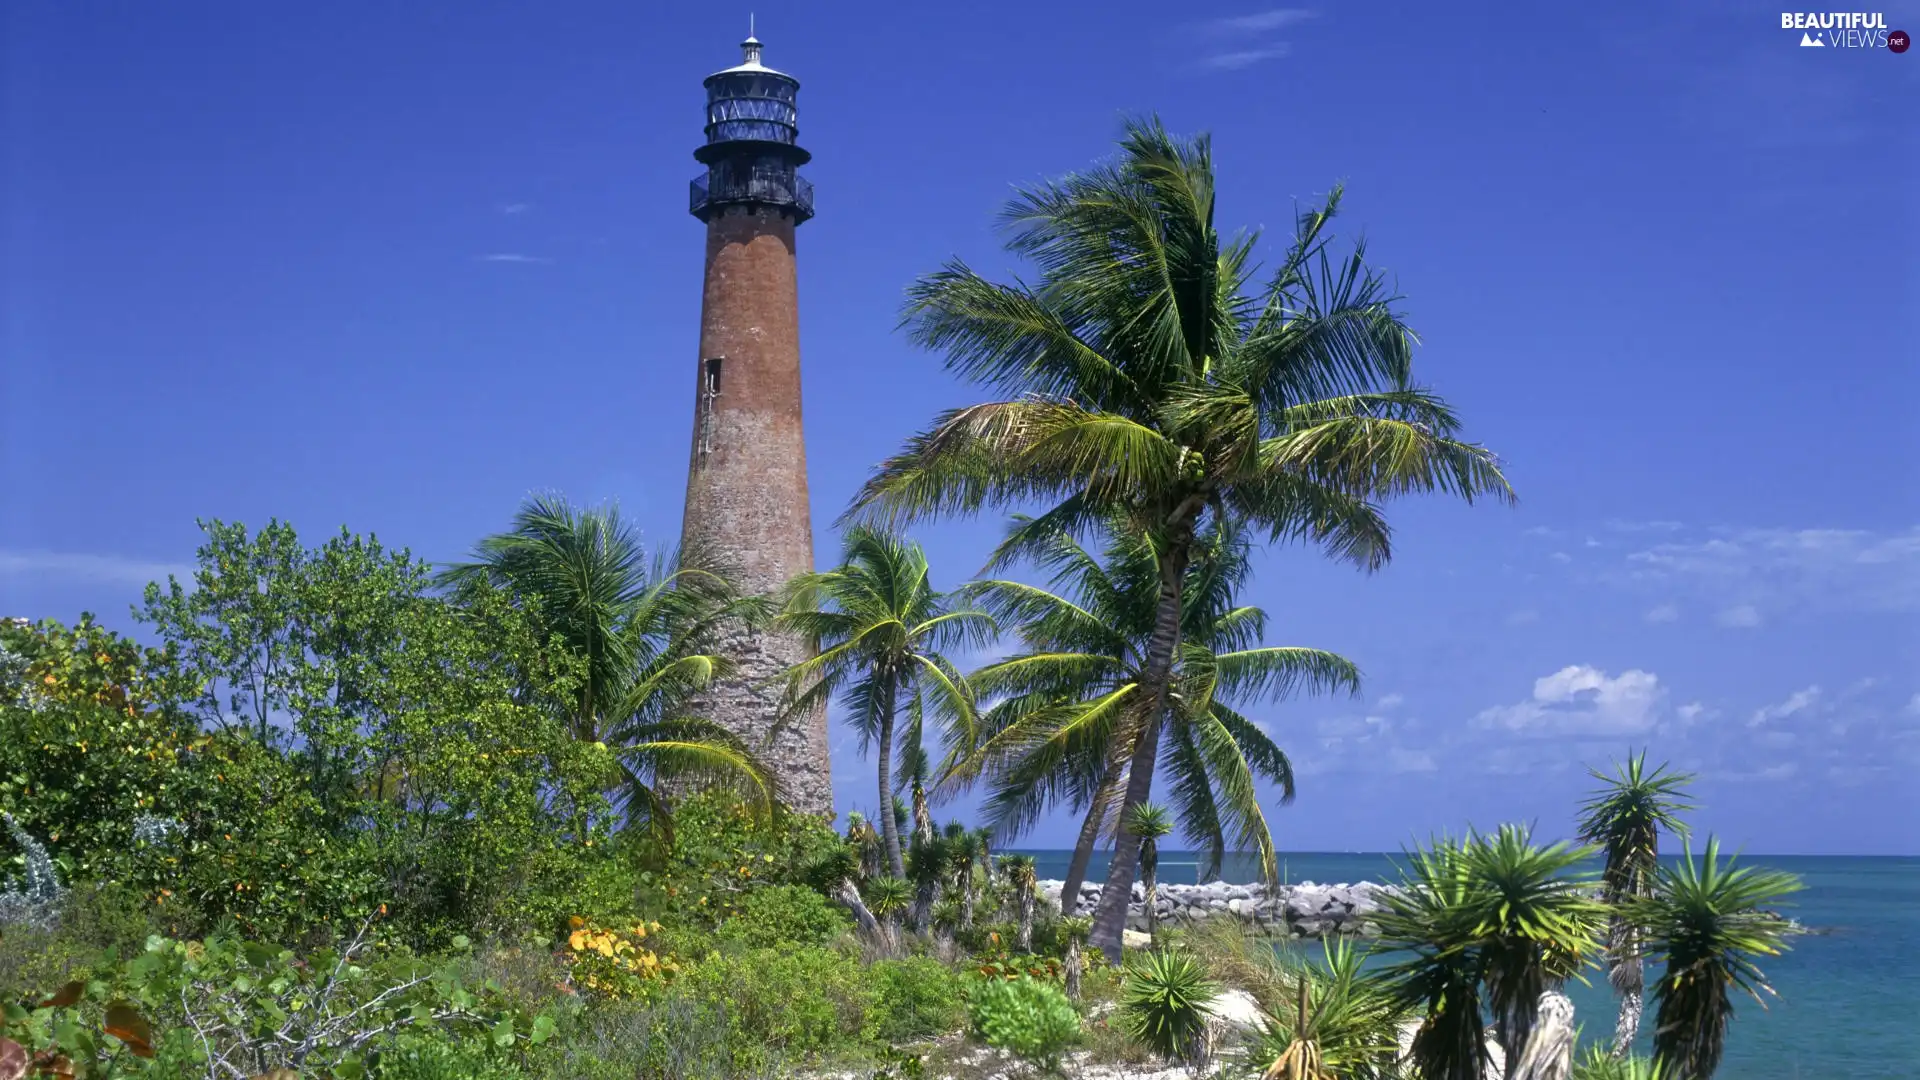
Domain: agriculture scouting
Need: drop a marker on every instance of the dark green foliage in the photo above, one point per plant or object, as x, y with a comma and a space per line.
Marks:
1163, 1003
795, 1002
1031, 1019
784, 915
915, 998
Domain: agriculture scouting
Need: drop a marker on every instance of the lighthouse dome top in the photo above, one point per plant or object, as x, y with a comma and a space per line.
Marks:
750, 63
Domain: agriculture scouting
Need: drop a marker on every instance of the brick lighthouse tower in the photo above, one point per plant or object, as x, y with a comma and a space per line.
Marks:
747, 480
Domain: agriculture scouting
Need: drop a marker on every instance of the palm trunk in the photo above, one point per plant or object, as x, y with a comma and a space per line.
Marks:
889, 829
1023, 937
1627, 1027
922, 812
1083, 851
1072, 968
922, 905
1110, 918
965, 886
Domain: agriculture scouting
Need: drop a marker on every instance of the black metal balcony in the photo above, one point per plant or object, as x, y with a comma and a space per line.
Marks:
761, 186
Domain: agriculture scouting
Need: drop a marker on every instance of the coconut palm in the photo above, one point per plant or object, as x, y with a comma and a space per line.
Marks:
1022, 875
1624, 818
1149, 822
879, 627
1148, 374
640, 632
1068, 704
1492, 922
1704, 924
914, 767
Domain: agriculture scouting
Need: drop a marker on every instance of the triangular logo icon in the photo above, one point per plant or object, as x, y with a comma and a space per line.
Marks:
1808, 40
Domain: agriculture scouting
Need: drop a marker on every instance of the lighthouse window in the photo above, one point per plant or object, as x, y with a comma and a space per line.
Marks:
713, 376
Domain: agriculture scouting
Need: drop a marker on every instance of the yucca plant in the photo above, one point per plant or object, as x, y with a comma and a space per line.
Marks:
1625, 818
1149, 822
1074, 930
1341, 1023
887, 898
1164, 1004
1022, 875
926, 866
1704, 923
963, 851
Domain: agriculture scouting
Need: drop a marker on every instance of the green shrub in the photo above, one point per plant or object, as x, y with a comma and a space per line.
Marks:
915, 998
800, 1002
1030, 1019
784, 915
721, 852
1164, 1003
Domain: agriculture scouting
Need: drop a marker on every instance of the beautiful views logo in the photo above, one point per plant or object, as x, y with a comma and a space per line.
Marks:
1845, 30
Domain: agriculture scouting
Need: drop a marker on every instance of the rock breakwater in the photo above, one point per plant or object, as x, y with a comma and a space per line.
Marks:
1305, 910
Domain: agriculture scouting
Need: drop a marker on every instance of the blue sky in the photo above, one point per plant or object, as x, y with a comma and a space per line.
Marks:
397, 266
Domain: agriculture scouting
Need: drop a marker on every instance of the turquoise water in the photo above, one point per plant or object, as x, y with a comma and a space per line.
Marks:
1849, 995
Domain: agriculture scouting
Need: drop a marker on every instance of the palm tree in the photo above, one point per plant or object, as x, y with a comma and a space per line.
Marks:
641, 634
878, 627
1150, 822
1494, 921
1624, 819
1148, 374
1022, 873
1704, 923
1074, 930
1062, 727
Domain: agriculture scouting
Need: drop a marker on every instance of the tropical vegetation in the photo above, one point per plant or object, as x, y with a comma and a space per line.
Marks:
346, 813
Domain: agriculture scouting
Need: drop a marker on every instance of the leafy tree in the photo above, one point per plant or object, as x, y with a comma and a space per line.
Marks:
1061, 729
879, 629
1148, 374
1705, 922
643, 634
1624, 819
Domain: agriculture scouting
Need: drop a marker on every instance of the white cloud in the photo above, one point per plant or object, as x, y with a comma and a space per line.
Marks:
1913, 705
1259, 22
515, 208
1663, 613
1739, 617
1778, 570
115, 568
1796, 703
1582, 700
1234, 61
1561, 557
1393, 700
512, 257
1401, 760
1690, 712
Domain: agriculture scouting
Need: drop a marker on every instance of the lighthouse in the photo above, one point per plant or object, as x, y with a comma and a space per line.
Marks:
747, 507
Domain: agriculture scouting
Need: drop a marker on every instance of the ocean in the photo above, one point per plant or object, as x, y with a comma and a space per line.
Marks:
1849, 994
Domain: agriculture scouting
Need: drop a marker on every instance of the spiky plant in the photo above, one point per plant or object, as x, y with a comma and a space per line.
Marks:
1074, 930
1149, 822
1022, 875
1340, 1022
1625, 818
1600, 1063
963, 852
927, 866
1148, 374
1163, 1003
1704, 924
888, 898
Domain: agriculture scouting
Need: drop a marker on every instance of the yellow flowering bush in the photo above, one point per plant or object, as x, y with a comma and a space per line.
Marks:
613, 962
